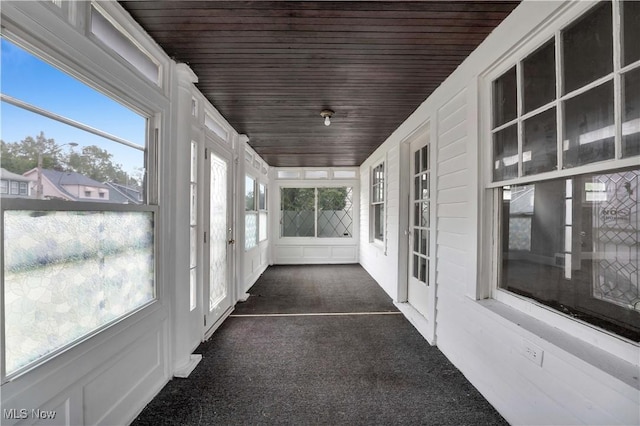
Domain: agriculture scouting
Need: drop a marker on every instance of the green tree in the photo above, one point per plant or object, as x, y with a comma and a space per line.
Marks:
96, 163
332, 198
20, 157
91, 161
298, 199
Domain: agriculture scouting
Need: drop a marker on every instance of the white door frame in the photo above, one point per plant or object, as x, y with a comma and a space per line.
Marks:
215, 146
426, 326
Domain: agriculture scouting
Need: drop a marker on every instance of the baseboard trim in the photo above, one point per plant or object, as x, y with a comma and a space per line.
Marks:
416, 319
184, 371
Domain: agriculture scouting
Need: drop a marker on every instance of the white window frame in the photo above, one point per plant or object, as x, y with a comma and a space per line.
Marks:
4, 186
263, 211
490, 201
372, 203
141, 103
253, 211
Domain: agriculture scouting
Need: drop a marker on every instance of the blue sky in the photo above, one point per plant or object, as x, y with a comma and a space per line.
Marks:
26, 77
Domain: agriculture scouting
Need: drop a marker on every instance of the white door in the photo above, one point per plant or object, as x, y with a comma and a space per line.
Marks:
218, 253
420, 231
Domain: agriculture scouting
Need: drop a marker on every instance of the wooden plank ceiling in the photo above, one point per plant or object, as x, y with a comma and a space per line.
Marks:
270, 67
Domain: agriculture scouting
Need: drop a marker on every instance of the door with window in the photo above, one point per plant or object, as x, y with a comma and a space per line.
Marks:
419, 294
218, 235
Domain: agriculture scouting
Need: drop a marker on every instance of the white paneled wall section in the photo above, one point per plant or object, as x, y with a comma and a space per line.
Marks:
578, 381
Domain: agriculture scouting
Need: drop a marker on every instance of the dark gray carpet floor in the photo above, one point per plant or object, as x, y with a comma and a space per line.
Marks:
320, 370
289, 289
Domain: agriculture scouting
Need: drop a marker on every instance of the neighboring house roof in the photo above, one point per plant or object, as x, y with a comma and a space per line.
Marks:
70, 178
60, 179
124, 194
5, 174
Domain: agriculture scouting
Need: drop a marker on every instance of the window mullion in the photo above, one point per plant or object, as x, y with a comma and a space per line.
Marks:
315, 224
519, 109
559, 108
617, 78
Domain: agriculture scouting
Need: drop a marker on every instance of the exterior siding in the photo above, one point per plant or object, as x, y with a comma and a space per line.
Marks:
577, 383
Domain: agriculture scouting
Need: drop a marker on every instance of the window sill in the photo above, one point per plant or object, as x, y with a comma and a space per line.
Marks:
547, 336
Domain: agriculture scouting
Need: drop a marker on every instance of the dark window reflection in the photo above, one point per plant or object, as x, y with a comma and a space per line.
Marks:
631, 113
504, 98
588, 48
572, 244
539, 77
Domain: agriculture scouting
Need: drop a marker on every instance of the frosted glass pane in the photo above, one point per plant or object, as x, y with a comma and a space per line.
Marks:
194, 162
218, 232
250, 230
193, 208
335, 212
262, 228
69, 273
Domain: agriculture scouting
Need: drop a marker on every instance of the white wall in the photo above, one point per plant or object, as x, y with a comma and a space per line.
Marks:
311, 250
108, 377
578, 382
255, 260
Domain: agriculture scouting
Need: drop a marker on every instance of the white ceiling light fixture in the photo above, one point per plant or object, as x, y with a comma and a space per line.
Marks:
326, 114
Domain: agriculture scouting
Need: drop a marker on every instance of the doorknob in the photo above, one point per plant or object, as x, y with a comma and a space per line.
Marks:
232, 241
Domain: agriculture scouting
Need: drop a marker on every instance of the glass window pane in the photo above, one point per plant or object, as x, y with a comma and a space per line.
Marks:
424, 244
631, 32
417, 193
416, 162
249, 194
250, 230
63, 162
193, 293
539, 76
194, 162
297, 209
505, 154
378, 231
540, 146
588, 48
423, 270
416, 214
631, 112
425, 186
193, 247
262, 226
595, 277
416, 267
589, 127
504, 98
262, 197
193, 208
416, 240
335, 212
425, 158
102, 269
425, 214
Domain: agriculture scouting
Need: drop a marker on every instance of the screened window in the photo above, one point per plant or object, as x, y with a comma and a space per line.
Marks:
377, 203
69, 273
250, 213
562, 162
4, 187
316, 212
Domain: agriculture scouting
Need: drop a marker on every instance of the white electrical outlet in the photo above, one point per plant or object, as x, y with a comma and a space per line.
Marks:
532, 352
